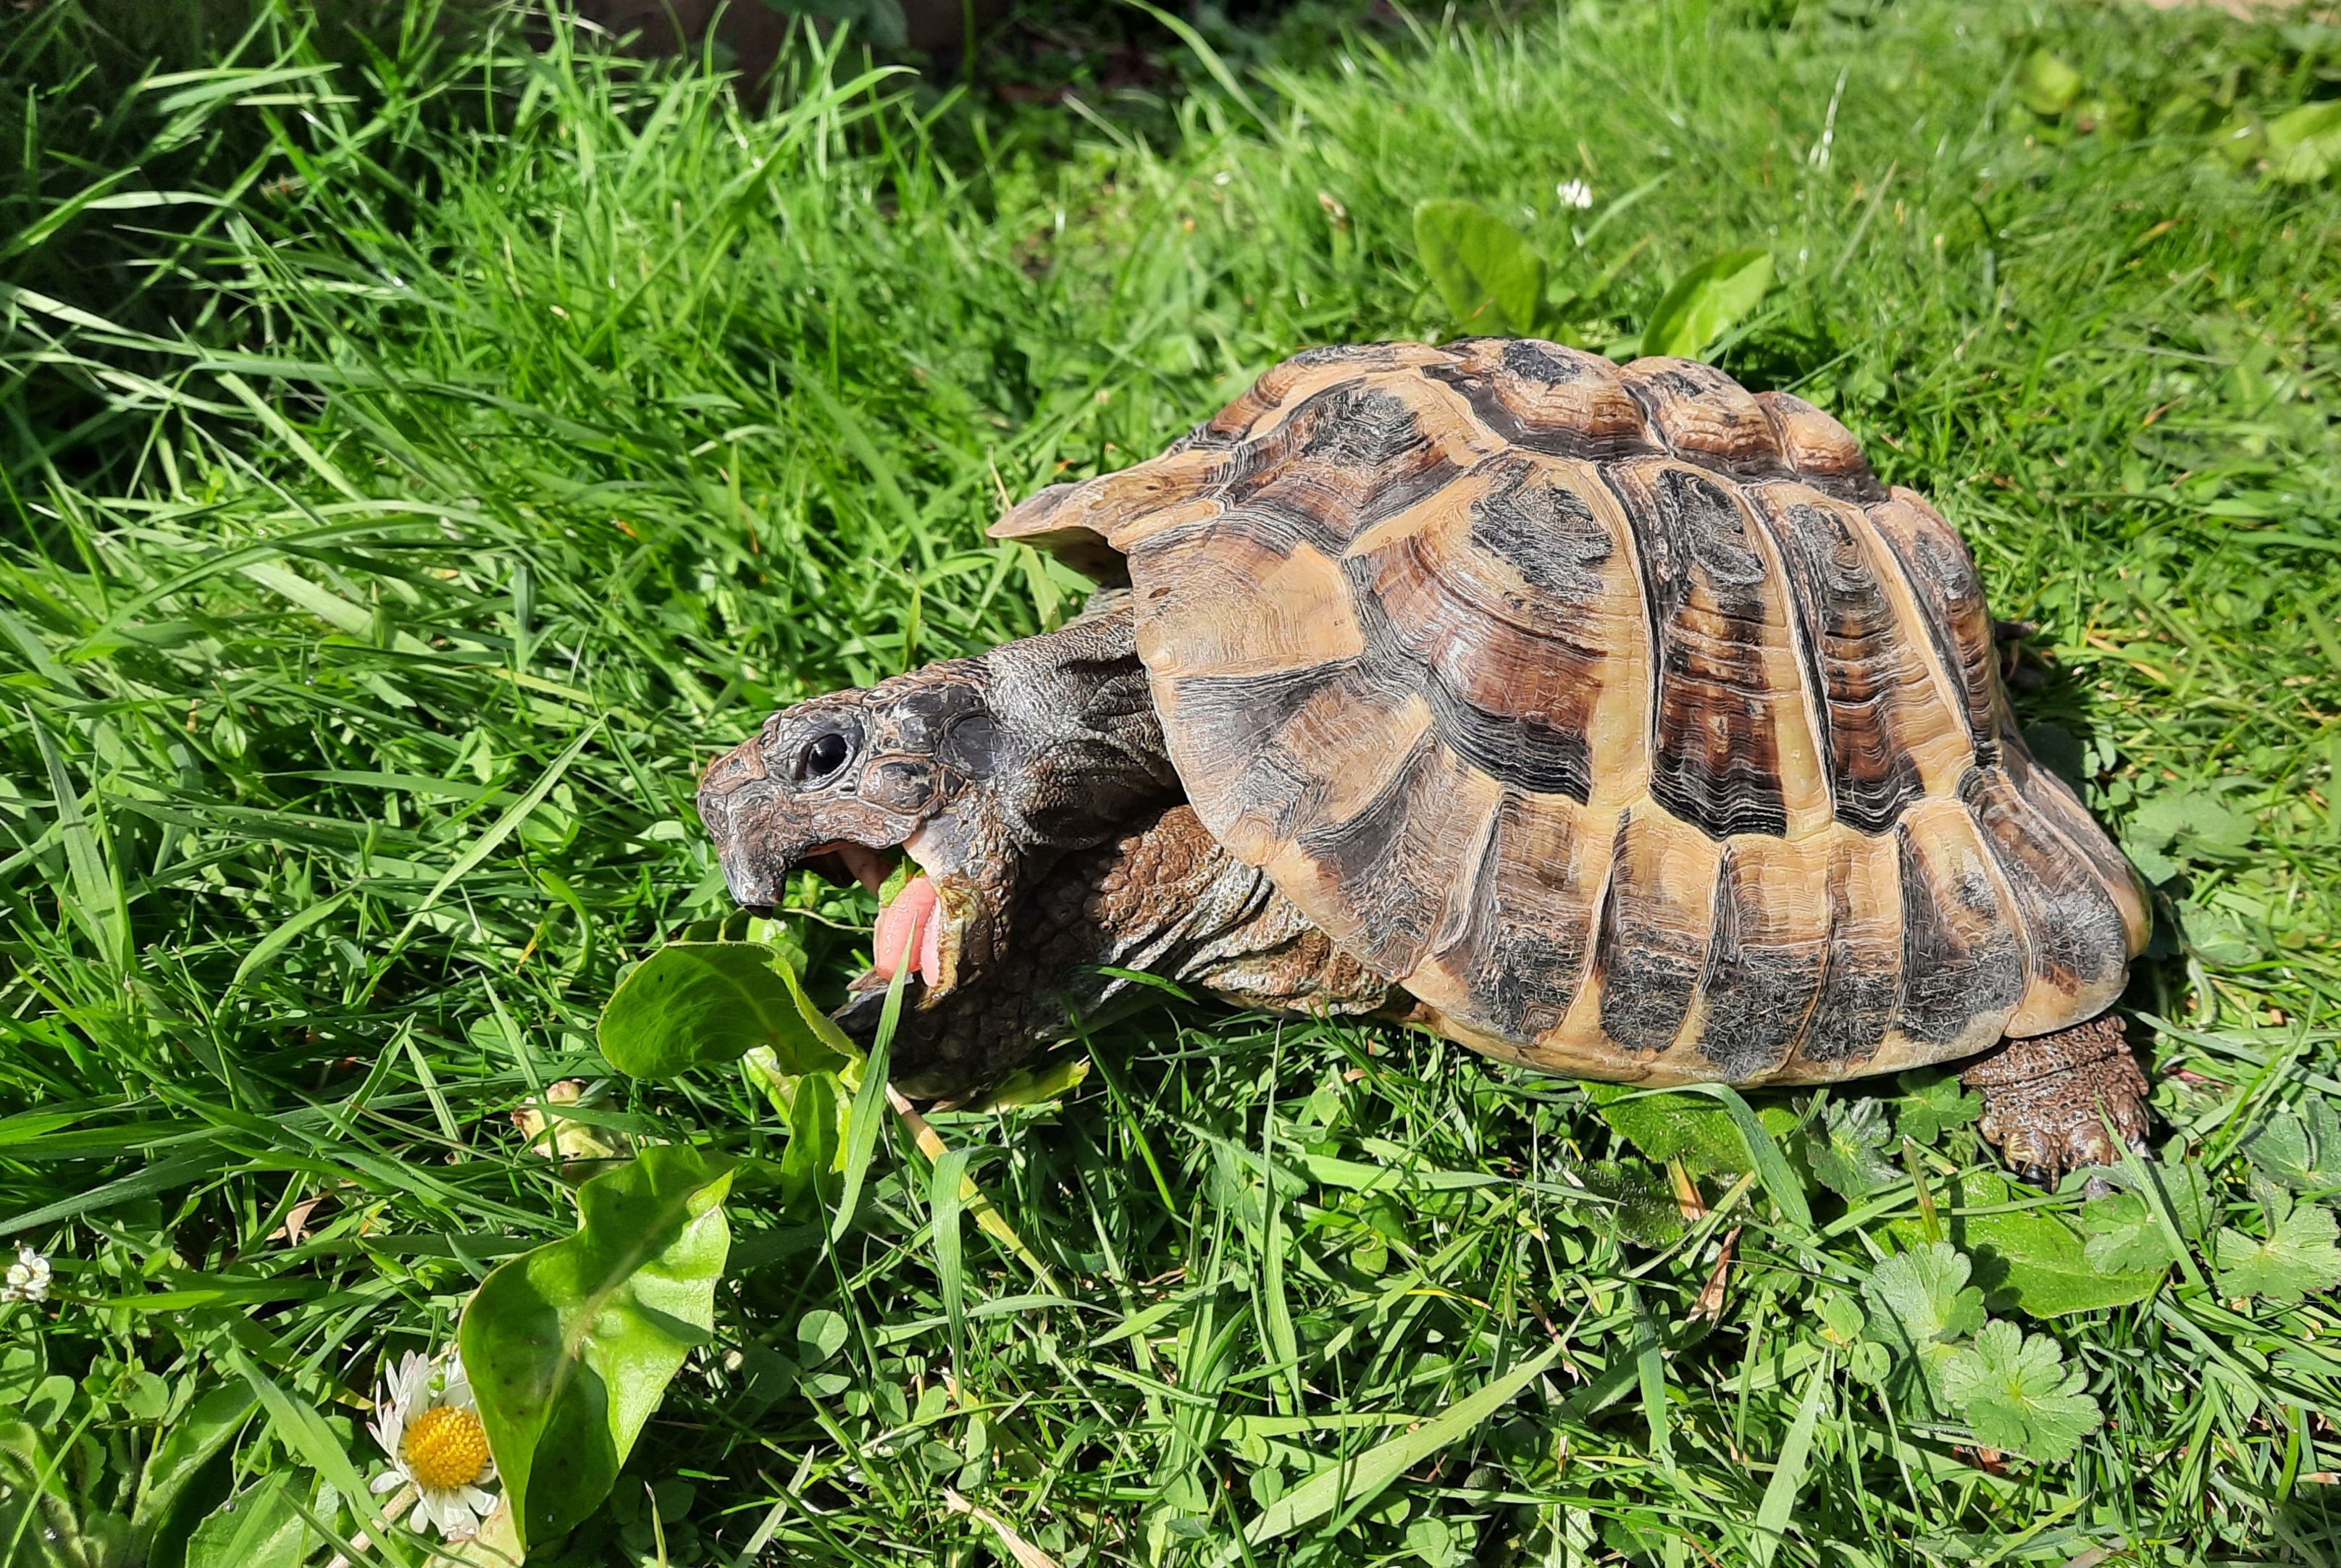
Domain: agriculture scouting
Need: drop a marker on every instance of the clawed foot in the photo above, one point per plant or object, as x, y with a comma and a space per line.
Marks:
2043, 1096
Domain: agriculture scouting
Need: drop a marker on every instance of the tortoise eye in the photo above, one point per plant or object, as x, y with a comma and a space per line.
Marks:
822, 756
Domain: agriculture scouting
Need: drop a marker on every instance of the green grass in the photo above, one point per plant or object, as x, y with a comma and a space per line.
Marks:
509, 414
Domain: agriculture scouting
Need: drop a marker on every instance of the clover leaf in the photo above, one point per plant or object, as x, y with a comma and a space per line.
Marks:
1847, 1152
2017, 1396
1934, 1102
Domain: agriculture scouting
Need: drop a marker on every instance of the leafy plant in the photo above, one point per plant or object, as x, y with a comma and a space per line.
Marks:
1849, 1156
2199, 826
2011, 1389
2300, 1147
2297, 1255
570, 1347
1934, 1102
2017, 1396
2045, 84
1494, 282
1921, 1306
1707, 301
1492, 278
690, 1004
2033, 1261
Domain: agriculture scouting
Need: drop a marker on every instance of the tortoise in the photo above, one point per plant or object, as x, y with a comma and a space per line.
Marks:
1608, 720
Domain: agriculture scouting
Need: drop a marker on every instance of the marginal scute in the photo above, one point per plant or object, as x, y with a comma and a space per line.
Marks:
1769, 950
1520, 927
1703, 416
1819, 450
1656, 918
1963, 957
1862, 980
2072, 931
1621, 716
2054, 799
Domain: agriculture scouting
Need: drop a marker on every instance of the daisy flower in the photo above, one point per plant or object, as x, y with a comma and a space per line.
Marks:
430, 1427
1574, 194
28, 1278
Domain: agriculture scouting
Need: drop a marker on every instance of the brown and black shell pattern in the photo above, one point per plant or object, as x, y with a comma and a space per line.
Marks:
1622, 715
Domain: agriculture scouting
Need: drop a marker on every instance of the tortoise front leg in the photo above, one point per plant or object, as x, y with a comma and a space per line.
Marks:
2042, 1099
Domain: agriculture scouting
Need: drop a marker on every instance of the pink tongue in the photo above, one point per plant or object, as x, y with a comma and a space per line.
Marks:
908, 929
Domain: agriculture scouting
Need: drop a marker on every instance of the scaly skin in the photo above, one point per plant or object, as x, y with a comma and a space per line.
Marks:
1164, 898
2042, 1099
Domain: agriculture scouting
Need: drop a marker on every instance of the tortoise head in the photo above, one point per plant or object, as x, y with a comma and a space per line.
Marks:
847, 784
982, 771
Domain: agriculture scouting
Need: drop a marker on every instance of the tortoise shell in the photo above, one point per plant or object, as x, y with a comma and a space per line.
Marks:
1620, 715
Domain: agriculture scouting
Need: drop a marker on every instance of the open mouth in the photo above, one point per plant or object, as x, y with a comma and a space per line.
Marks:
915, 927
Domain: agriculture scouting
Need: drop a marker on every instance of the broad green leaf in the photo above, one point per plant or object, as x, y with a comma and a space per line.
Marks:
2303, 145
2300, 1147
2182, 1184
816, 1144
1490, 275
2046, 84
2017, 1395
2186, 824
188, 1445
1841, 1317
1920, 1305
1760, 1149
2034, 1260
821, 1334
1644, 1210
2298, 1256
697, 1002
1707, 301
1679, 1125
2219, 935
1846, 1150
259, 1527
1933, 1102
570, 1346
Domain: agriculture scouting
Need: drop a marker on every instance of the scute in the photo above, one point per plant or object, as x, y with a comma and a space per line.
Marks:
1620, 714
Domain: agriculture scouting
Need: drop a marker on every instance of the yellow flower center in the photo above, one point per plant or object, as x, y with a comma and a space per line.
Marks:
445, 1447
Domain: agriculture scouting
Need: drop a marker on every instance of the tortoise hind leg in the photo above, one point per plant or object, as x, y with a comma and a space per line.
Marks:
2042, 1096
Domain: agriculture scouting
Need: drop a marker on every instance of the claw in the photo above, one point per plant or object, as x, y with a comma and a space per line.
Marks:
2046, 1100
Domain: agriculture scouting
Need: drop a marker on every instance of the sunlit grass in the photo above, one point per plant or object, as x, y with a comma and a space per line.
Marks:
527, 423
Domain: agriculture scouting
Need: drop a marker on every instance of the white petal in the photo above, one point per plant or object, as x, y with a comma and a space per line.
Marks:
480, 1502
421, 1518
388, 1481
